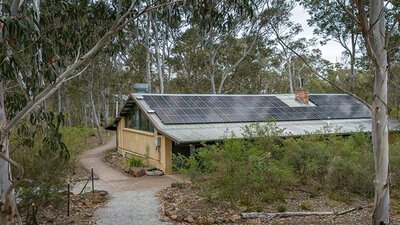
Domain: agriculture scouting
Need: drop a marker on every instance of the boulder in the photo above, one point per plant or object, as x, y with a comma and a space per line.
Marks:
154, 173
137, 172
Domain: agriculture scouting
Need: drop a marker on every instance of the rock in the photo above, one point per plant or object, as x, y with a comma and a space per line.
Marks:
173, 217
174, 185
189, 219
234, 217
154, 173
202, 220
169, 211
219, 219
168, 196
210, 220
137, 172
180, 216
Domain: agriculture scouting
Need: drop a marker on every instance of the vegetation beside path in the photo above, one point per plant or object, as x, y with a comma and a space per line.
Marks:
265, 172
47, 174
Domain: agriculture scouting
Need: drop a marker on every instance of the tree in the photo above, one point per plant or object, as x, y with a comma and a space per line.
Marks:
13, 26
373, 31
332, 23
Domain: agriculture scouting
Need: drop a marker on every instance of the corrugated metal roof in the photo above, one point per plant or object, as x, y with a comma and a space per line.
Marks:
190, 133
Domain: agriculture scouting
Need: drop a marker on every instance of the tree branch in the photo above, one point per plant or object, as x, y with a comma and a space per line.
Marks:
316, 73
49, 90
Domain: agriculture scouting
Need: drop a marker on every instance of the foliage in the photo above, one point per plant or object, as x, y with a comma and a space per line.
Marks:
133, 161
259, 165
45, 177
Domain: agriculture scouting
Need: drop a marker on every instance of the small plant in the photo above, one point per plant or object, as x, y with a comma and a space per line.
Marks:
147, 153
305, 206
272, 195
133, 162
281, 208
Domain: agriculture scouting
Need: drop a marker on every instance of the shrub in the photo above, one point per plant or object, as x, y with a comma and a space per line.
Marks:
252, 169
179, 162
306, 207
46, 171
281, 208
133, 162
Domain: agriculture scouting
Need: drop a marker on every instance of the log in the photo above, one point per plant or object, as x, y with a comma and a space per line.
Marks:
353, 209
270, 216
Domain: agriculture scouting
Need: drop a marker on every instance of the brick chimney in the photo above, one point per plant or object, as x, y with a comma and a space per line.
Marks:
301, 95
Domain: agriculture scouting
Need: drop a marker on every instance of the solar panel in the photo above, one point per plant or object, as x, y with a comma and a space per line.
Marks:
193, 109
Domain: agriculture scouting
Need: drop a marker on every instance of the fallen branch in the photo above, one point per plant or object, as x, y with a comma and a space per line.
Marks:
270, 216
354, 209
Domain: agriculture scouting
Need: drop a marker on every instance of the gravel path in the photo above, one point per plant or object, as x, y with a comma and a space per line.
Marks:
138, 207
132, 200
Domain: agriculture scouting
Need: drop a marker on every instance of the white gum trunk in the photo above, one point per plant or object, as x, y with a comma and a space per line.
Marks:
380, 113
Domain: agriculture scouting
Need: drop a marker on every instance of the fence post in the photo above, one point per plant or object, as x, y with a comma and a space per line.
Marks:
34, 214
92, 181
68, 192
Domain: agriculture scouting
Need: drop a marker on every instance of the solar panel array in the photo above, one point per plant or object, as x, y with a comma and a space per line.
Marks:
194, 109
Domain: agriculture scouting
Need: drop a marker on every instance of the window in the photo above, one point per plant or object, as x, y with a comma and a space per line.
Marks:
135, 119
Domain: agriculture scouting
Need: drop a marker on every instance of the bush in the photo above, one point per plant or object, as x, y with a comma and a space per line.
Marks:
133, 162
46, 171
250, 170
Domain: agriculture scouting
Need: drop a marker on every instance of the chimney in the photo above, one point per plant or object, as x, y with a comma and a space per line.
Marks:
301, 93
140, 88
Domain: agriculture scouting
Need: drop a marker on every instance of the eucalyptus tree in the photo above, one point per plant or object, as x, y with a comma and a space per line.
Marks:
18, 28
373, 23
215, 20
332, 23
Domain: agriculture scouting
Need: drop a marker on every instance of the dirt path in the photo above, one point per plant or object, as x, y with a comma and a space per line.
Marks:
133, 200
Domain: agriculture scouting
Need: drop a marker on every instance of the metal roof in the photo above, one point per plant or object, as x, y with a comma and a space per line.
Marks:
192, 133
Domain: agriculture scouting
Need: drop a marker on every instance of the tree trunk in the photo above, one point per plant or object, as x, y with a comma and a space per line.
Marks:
106, 107
93, 108
212, 71
9, 209
158, 54
59, 101
148, 56
353, 74
379, 112
289, 62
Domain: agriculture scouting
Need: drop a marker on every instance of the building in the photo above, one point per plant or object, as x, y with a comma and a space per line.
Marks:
155, 126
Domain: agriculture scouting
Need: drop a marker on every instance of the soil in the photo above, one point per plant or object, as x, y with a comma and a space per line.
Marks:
82, 206
81, 209
183, 204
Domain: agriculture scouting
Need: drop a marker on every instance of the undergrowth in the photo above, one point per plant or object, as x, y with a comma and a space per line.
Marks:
45, 171
258, 167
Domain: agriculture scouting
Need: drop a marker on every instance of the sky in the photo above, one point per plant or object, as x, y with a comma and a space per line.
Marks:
332, 51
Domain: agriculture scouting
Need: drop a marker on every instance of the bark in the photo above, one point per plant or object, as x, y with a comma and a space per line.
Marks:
381, 143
